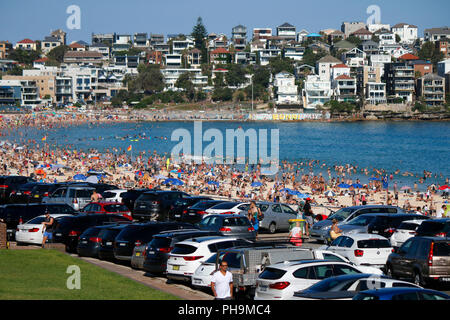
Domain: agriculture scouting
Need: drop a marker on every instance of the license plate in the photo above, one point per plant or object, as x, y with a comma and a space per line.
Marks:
122, 244
138, 254
109, 243
191, 213
177, 216
176, 268
58, 234
374, 231
444, 279
262, 288
19, 193
36, 196
197, 281
151, 252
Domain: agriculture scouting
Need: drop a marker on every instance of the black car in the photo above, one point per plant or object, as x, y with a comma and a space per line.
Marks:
31, 192
89, 241
162, 243
195, 213
140, 233
70, 228
108, 236
9, 184
181, 205
385, 224
14, 214
434, 228
129, 197
155, 205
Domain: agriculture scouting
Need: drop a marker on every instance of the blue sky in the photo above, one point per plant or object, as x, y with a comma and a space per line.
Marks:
35, 18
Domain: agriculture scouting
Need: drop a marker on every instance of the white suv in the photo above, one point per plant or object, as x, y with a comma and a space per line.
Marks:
187, 255
407, 229
229, 208
363, 249
280, 281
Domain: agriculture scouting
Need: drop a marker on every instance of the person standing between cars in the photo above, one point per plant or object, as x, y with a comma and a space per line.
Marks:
95, 196
308, 215
48, 225
335, 232
254, 215
222, 283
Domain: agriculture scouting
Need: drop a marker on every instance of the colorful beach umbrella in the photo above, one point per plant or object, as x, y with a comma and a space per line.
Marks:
330, 193
214, 183
174, 182
344, 185
444, 187
357, 186
256, 184
79, 177
303, 195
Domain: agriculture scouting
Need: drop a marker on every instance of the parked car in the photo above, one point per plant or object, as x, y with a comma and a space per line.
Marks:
434, 228
32, 232
114, 195
401, 294
155, 205
70, 228
181, 205
229, 207
187, 255
89, 241
158, 250
422, 259
378, 223
107, 207
106, 250
319, 230
16, 214
129, 197
280, 281
345, 287
363, 249
10, 183
196, 213
276, 216
137, 234
406, 229
232, 225
30, 192
76, 196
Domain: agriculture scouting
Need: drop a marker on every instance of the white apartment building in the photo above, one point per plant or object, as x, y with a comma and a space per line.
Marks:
287, 93
316, 92
171, 76
406, 32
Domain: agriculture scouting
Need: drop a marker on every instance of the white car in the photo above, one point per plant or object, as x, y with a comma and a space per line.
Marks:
346, 286
114, 195
203, 275
404, 231
187, 255
280, 281
32, 231
363, 249
229, 208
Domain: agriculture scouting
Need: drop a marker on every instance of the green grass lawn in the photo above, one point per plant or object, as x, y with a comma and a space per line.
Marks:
41, 274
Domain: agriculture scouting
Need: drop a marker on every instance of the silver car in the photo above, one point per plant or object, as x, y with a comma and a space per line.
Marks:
319, 230
75, 196
276, 216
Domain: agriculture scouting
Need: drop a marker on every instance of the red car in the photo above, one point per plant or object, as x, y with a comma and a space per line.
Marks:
107, 207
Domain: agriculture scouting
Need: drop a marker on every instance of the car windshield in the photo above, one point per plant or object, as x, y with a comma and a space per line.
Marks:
341, 214
373, 243
37, 220
272, 273
160, 242
441, 249
431, 227
115, 208
362, 220
183, 249
408, 226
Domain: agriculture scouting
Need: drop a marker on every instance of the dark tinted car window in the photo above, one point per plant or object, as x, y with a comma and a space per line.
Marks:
430, 227
115, 208
148, 197
373, 243
91, 232
347, 243
225, 205
408, 226
441, 249
233, 259
183, 249
272, 274
301, 273
161, 242
406, 296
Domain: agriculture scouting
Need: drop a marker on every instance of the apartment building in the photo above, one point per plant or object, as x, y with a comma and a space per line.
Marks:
431, 88
239, 37
399, 79
287, 91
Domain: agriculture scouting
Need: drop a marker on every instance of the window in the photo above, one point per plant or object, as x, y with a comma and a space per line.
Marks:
301, 273
370, 284
263, 207
414, 246
430, 296
406, 296
343, 269
323, 272
272, 274
374, 243
403, 285
276, 208
59, 193
347, 242
441, 249
337, 241
287, 209
183, 249
332, 257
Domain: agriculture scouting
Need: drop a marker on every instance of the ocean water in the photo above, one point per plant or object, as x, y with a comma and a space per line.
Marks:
406, 146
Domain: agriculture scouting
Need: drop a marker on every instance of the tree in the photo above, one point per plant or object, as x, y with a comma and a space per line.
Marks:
235, 75
355, 40
397, 38
149, 79
184, 82
428, 51
261, 76
58, 53
23, 56
219, 80
310, 58
279, 64
199, 34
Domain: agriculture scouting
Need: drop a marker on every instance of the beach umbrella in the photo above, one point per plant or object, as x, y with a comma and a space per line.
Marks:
256, 184
92, 179
357, 185
374, 179
79, 177
444, 187
406, 188
344, 185
139, 173
174, 182
303, 195
329, 193
286, 190
214, 183
210, 174
39, 171
159, 177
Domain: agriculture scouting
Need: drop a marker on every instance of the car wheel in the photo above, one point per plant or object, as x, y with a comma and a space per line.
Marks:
418, 280
272, 228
